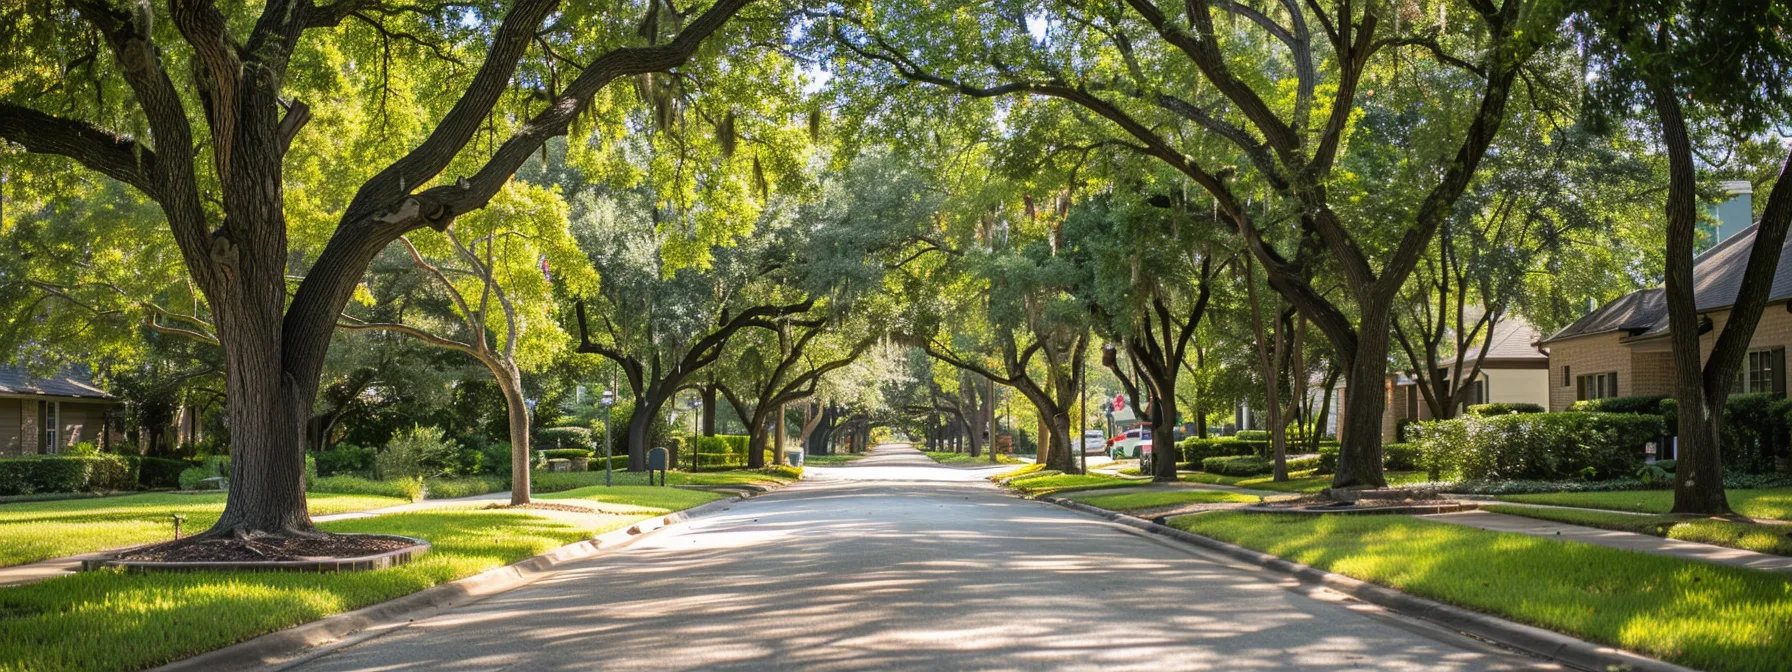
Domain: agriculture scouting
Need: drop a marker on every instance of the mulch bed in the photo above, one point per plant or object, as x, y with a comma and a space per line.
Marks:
269, 549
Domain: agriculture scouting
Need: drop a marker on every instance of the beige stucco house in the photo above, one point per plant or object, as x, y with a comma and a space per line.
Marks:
40, 416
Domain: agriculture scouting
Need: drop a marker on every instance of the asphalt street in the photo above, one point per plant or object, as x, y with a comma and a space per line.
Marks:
897, 563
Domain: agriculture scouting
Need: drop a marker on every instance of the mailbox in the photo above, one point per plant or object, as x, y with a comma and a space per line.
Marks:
656, 461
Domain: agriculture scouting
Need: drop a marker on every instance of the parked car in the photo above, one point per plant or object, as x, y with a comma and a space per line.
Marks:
1094, 442
1129, 444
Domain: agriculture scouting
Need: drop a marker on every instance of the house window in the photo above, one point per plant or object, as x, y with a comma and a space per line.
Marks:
50, 422
1567, 380
1474, 393
1757, 374
1596, 386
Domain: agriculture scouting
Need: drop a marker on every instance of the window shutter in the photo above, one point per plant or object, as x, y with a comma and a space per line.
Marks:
1580, 389
1778, 361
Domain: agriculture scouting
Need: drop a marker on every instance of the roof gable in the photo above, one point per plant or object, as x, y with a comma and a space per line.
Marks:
16, 381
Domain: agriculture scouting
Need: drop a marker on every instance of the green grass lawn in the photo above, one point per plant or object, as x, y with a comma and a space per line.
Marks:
1705, 616
1047, 482
549, 482
1775, 539
834, 460
1298, 481
35, 531
1151, 499
645, 496
1774, 503
944, 457
112, 621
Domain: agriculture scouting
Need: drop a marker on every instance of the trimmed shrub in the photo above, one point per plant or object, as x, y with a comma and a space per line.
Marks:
565, 453
157, 472
1503, 408
1251, 435
1394, 457
1646, 405
417, 453
194, 479
344, 458
404, 488
1399, 456
721, 450
1250, 465
65, 473
1403, 429
450, 488
1196, 449
1541, 446
1303, 463
563, 437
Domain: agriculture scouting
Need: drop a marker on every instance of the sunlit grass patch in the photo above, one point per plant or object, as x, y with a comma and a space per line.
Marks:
1298, 481
1027, 470
33, 531
113, 621
1697, 614
1127, 501
643, 496
1047, 483
1761, 538
1773, 503
947, 457
833, 460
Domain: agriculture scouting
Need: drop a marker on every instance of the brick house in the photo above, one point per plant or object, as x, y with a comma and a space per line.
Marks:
41, 416
1622, 350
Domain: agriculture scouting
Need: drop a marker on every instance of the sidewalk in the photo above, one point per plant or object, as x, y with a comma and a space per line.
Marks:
17, 575
1629, 541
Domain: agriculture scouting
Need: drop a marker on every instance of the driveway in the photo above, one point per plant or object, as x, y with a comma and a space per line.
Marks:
894, 562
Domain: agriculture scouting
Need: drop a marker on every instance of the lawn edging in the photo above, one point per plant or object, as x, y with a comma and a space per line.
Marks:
1556, 646
289, 646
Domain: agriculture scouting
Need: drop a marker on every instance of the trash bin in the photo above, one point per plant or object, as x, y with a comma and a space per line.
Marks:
793, 458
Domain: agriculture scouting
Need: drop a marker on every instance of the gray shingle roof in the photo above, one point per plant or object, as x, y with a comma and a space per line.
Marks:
1512, 339
16, 381
1717, 277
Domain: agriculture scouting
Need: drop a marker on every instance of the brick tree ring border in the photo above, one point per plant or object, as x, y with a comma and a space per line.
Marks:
392, 558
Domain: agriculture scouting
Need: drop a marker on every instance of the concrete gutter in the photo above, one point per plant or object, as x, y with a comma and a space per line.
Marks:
1556, 646
293, 645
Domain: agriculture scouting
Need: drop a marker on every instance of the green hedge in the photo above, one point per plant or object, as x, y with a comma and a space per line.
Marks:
1194, 449
1394, 457
563, 437
403, 488
450, 488
1249, 465
157, 472
564, 453
1251, 435
1303, 463
1541, 446
1485, 410
65, 473
1647, 405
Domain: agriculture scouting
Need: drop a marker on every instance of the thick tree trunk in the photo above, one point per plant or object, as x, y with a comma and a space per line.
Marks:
709, 409
1359, 439
778, 430
1058, 439
1163, 442
267, 414
647, 407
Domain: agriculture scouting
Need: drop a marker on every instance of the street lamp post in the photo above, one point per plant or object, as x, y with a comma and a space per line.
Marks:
608, 401
694, 404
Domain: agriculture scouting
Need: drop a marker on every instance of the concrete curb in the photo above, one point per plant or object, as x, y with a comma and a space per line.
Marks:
284, 647
1549, 644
